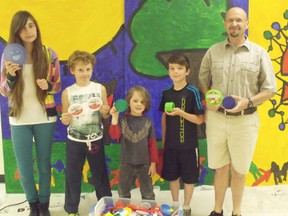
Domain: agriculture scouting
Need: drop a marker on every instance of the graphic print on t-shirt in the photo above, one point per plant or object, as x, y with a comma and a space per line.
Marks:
135, 137
182, 127
87, 125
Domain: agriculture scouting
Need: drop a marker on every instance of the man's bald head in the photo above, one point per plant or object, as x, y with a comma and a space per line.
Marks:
237, 10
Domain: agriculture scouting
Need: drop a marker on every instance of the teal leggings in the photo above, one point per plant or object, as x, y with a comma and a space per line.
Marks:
22, 139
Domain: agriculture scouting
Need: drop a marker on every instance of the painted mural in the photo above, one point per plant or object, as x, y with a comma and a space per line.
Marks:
132, 49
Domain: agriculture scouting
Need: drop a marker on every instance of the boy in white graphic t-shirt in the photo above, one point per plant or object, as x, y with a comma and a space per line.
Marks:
84, 104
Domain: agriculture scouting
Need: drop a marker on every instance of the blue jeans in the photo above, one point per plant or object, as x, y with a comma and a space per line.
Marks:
22, 139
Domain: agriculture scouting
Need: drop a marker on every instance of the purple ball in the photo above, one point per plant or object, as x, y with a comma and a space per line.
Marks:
229, 102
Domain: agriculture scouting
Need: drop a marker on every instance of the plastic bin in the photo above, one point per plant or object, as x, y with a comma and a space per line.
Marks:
102, 203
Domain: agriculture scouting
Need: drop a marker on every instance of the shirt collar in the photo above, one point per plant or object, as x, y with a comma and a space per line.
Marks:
245, 44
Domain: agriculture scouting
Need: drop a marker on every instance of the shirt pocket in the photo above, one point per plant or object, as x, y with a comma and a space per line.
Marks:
217, 71
249, 73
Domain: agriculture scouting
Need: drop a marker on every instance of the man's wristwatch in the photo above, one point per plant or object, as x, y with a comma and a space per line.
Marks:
250, 103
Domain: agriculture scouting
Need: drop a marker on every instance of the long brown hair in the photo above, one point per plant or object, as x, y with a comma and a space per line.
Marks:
39, 58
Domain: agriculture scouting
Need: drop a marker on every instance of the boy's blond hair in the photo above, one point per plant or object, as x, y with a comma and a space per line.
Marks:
80, 56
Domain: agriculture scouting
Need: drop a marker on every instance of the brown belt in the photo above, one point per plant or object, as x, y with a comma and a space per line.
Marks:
243, 112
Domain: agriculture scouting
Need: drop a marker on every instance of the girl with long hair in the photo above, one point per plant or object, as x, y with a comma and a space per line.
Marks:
32, 110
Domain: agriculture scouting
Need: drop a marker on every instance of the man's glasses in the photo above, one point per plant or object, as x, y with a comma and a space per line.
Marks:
238, 21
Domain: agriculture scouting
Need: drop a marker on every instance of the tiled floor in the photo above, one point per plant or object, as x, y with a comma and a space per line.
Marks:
264, 201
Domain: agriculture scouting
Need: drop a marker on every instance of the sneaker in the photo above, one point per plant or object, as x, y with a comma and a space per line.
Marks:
187, 212
72, 214
213, 213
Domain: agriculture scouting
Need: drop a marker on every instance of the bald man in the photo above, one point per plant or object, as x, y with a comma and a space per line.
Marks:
242, 69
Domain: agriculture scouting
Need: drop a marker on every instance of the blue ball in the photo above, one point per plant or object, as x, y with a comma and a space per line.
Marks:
229, 102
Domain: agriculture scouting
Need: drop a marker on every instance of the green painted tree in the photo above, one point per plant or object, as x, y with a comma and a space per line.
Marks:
163, 25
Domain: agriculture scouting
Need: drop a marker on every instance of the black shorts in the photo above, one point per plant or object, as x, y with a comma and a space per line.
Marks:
181, 163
